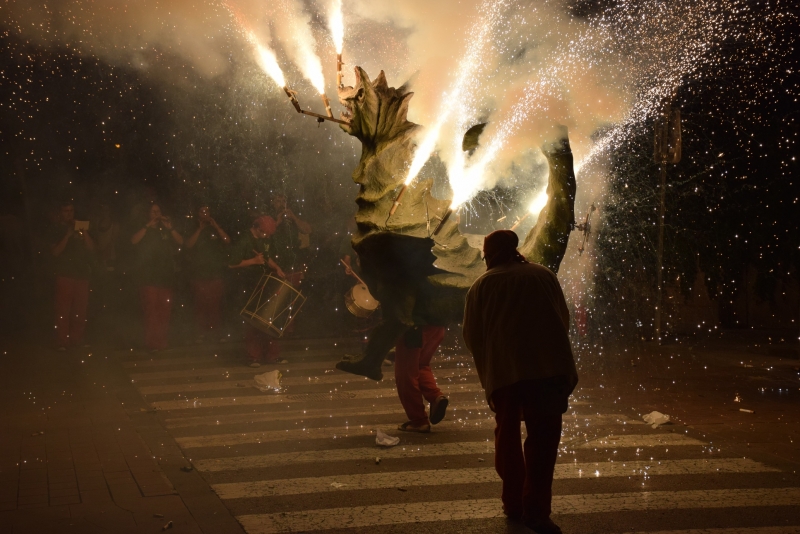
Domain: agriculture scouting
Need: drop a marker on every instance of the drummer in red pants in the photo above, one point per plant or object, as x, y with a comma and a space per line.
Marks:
249, 257
415, 380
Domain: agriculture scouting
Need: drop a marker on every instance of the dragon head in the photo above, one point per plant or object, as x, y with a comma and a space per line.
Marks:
377, 113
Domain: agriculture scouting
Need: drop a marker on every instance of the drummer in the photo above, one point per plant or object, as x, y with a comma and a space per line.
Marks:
250, 258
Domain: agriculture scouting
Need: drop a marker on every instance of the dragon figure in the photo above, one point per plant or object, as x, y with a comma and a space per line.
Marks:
421, 280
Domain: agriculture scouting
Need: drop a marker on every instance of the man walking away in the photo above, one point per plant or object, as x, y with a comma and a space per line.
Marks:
516, 325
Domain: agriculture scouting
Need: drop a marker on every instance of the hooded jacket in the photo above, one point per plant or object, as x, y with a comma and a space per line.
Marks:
516, 324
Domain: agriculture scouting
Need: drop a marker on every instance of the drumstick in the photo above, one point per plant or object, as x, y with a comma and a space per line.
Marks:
352, 272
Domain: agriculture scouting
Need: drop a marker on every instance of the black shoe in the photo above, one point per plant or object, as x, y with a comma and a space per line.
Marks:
438, 409
543, 526
357, 368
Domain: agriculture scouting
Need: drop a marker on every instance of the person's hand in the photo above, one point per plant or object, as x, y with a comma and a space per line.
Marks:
280, 273
348, 271
258, 259
204, 223
152, 223
167, 223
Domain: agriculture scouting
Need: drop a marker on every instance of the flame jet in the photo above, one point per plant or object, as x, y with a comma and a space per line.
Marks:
420, 281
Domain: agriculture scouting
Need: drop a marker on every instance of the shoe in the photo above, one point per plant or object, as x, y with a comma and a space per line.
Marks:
357, 368
388, 363
438, 409
279, 360
422, 429
255, 365
543, 526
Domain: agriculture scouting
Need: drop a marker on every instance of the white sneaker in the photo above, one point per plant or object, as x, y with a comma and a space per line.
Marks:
255, 365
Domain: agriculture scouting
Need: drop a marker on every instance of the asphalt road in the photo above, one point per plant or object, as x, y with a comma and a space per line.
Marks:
304, 459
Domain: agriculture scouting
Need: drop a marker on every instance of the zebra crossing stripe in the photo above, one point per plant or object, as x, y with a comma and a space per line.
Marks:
389, 408
257, 400
403, 513
343, 455
646, 440
476, 422
286, 381
208, 358
242, 438
227, 368
359, 454
407, 479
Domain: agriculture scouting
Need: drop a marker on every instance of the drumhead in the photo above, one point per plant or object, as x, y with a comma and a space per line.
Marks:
364, 298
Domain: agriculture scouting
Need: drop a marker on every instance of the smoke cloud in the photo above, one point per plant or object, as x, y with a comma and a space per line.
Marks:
532, 65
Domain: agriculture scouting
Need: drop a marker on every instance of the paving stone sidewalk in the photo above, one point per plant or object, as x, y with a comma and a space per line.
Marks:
80, 452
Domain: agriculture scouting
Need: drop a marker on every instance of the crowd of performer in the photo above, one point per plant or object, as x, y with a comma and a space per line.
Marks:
160, 257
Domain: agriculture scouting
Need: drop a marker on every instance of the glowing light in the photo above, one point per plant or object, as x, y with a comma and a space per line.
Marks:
269, 64
295, 28
480, 37
336, 24
264, 56
538, 203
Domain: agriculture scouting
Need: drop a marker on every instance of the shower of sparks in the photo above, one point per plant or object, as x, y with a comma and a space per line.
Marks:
491, 15
302, 49
265, 57
336, 24
269, 63
671, 42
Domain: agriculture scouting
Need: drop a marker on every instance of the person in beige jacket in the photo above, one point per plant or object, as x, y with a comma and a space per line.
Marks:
516, 325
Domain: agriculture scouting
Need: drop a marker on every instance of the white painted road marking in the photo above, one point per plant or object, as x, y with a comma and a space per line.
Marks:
258, 400
311, 431
403, 513
287, 381
437, 477
364, 453
646, 440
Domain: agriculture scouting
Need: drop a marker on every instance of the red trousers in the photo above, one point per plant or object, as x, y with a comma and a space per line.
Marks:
527, 479
157, 308
208, 303
413, 375
72, 299
260, 346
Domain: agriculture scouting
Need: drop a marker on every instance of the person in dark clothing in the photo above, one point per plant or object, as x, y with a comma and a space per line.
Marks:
516, 325
290, 242
155, 246
73, 253
249, 256
207, 259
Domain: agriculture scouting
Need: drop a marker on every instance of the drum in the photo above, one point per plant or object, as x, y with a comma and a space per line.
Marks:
273, 305
360, 302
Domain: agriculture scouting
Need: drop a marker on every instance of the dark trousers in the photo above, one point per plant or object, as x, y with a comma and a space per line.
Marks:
157, 309
527, 474
413, 375
260, 346
71, 301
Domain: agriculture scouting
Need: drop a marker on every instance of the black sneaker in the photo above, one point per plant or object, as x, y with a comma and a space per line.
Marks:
438, 409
